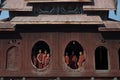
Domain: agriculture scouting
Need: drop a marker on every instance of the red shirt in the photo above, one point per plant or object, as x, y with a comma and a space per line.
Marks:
39, 57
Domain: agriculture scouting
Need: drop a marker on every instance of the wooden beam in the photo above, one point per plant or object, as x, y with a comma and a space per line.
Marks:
100, 5
58, 19
15, 5
7, 26
27, 8
110, 26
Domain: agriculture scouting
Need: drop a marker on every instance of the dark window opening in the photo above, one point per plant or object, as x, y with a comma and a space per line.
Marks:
74, 56
101, 58
57, 8
68, 9
40, 55
119, 57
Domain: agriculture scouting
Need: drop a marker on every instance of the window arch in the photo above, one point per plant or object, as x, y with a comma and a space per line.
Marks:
101, 58
40, 55
74, 55
11, 56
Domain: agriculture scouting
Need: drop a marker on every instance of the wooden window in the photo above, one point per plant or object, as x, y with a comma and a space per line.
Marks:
101, 58
40, 55
11, 58
73, 52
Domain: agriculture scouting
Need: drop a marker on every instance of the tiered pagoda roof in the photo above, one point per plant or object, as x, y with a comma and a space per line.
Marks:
15, 5
87, 6
21, 5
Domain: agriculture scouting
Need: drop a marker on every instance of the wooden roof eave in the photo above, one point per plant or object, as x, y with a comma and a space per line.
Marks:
110, 26
6, 26
60, 22
28, 8
58, 19
98, 9
100, 5
15, 5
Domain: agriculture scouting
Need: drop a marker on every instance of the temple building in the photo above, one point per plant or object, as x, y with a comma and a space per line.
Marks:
59, 40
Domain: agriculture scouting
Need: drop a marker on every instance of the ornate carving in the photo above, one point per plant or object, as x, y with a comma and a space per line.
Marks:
68, 9
44, 9
55, 8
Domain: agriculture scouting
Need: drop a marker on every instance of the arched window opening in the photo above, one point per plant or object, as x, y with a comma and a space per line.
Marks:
40, 55
74, 56
101, 58
119, 57
11, 58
